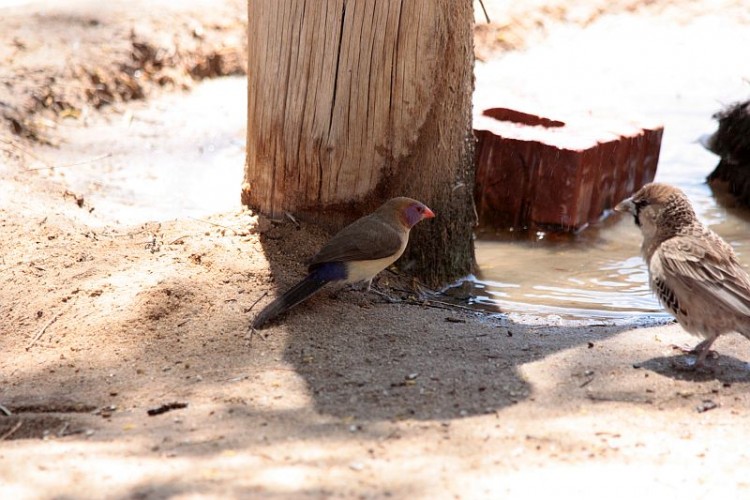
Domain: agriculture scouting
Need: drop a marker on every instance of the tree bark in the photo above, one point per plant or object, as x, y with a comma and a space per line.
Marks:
353, 102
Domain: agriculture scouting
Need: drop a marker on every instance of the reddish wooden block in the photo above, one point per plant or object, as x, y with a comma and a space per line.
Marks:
538, 173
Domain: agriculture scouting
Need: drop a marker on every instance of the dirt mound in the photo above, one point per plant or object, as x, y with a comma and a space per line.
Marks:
83, 56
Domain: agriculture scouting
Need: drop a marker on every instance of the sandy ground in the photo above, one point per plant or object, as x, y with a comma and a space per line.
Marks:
350, 396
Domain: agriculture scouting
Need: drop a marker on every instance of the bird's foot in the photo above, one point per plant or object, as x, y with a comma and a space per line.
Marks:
695, 358
685, 349
696, 350
691, 364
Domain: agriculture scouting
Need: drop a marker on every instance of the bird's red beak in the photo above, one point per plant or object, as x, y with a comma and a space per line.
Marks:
428, 214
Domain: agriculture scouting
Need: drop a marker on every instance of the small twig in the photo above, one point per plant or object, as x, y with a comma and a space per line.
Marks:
74, 164
384, 295
6, 411
252, 328
215, 224
165, 408
61, 432
256, 302
10, 432
486, 16
437, 304
48, 165
44, 329
452, 306
178, 239
293, 219
404, 290
586, 382
425, 303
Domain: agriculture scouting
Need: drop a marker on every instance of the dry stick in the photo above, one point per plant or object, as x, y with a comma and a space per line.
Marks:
48, 166
10, 432
5, 410
178, 239
215, 224
486, 16
61, 432
256, 302
437, 304
74, 164
426, 301
293, 219
41, 332
252, 329
453, 306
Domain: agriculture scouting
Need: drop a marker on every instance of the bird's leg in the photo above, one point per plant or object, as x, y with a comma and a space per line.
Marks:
688, 349
701, 351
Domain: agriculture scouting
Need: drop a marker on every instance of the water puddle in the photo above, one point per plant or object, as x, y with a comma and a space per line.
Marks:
676, 74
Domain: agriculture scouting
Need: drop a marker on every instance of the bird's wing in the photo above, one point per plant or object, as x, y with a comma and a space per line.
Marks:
368, 238
705, 266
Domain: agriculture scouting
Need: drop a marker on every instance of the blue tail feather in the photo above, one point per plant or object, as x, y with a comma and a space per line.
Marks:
319, 276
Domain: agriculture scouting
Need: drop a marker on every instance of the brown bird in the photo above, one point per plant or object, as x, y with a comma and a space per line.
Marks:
356, 253
694, 273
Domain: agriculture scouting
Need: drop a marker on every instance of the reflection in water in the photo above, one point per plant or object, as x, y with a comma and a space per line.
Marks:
598, 273
593, 275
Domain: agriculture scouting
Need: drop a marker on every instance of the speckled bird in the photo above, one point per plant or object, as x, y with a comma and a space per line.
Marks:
694, 273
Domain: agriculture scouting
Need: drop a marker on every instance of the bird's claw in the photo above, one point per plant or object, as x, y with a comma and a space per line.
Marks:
691, 365
686, 349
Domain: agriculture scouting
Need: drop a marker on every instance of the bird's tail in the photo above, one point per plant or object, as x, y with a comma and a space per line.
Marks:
299, 292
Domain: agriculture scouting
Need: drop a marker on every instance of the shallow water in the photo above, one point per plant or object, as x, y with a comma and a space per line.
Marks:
182, 155
676, 74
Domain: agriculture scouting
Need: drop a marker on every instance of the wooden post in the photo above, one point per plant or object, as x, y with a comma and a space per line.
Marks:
352, 102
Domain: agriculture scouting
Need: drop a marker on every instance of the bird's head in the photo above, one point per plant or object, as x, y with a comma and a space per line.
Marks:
659, 208
407, 210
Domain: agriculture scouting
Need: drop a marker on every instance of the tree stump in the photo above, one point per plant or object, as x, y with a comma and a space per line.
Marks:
351, 103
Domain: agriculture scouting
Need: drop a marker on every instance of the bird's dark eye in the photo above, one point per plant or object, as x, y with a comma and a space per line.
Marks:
639, 204
420, 209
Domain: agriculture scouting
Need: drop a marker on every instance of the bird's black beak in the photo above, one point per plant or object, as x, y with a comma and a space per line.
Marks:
626, 205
